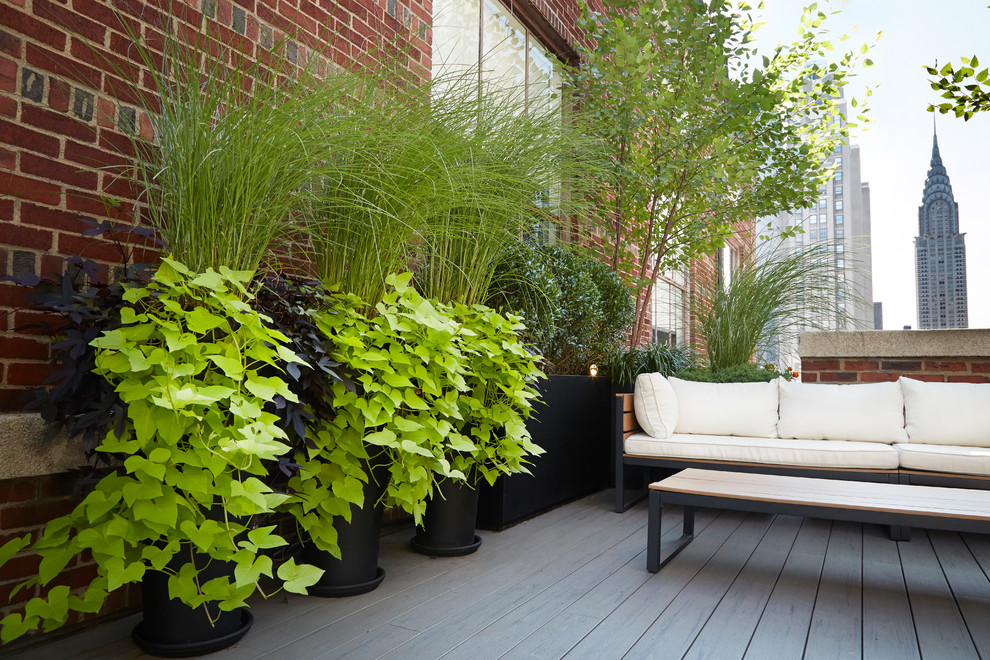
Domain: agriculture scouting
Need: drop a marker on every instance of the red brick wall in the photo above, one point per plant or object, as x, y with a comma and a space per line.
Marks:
872, 370
63, 116
25, 506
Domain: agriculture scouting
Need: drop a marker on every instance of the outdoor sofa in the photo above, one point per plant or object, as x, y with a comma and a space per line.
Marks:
909, 431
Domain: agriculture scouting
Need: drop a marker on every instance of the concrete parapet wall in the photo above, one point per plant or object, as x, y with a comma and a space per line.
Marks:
873, 356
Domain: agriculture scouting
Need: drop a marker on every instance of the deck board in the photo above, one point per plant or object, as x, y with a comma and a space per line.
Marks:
939, 625
573, 583
728, 631
837, 624
888, 629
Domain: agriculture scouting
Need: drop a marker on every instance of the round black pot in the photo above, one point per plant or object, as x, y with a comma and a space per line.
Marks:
357, 571
448, 525
172, 629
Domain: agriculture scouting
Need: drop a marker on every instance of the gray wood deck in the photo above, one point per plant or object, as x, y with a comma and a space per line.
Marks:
573, 583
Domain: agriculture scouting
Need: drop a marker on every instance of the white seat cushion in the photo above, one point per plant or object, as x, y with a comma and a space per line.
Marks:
769, 451
947, 413
744, 409
944, 458
869, 412
655, 404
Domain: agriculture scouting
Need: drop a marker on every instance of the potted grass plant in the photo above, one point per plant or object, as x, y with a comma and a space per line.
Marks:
505, 174
194, 369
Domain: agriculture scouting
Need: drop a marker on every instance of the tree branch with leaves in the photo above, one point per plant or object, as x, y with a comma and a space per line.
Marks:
698, 134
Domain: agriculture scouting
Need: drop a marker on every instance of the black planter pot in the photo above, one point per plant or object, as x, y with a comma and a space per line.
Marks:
357, 571
448, 525
172, 629
572, 425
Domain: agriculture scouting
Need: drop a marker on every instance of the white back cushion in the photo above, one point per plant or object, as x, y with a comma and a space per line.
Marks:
656, 405
947, 413
748, 409
868, 412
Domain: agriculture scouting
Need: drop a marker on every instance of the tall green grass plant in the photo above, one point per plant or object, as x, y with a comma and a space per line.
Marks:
770, 298
236, 148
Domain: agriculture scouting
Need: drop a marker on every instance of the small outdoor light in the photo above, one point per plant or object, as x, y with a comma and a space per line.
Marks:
593, 370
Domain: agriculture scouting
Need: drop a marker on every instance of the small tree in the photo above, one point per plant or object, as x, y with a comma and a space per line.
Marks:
697, 136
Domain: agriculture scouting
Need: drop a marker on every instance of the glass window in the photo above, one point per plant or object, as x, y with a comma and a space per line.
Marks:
840, 248
813, 220
838, 191
823, 233
512, 57
840, 263
838, 161
838, 219
838, 205
814, 233
504, 61
838, 176
822, 203
455, 36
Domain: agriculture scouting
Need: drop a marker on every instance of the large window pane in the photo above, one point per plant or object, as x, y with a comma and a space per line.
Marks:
504, 62
455, 36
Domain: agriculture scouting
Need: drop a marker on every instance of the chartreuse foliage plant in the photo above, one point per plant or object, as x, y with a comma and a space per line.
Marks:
195, 450
422, 375
500, 374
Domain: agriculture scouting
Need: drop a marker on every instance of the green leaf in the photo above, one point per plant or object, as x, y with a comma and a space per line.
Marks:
231, 367
12, 547
200, 320
296, 578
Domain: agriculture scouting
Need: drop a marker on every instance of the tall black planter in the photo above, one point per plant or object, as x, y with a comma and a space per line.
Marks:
572, 425
172, 629
357, 571
448, 525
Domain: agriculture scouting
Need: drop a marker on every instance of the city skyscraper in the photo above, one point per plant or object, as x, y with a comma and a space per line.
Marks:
940, 253
838, 224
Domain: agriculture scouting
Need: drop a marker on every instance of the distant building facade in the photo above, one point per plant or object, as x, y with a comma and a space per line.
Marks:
839, 224
940, 253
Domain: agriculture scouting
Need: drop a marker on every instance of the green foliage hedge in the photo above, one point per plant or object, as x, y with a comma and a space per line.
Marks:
576, 310
740, 373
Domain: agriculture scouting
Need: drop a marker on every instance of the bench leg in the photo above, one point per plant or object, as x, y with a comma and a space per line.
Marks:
655, 559
898, 533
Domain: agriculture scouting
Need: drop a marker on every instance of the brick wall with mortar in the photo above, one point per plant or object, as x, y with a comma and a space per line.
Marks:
64, 118
954, 356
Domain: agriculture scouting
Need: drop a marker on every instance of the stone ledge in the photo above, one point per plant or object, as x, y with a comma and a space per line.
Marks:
25, 452
896, 343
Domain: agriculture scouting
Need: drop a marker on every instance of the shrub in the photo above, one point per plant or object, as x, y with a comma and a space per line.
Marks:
575, 322
739, 373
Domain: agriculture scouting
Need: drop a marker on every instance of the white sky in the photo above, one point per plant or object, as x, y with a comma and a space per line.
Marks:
896, 147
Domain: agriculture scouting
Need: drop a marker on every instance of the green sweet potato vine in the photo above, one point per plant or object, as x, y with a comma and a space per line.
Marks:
439, 392
196, 448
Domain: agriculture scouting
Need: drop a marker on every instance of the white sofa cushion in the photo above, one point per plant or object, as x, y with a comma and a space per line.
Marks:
770, 451
655, 404
745, 409
947, 413
869, 412
944, 458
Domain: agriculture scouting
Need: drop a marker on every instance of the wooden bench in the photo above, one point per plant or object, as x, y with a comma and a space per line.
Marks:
897, 505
